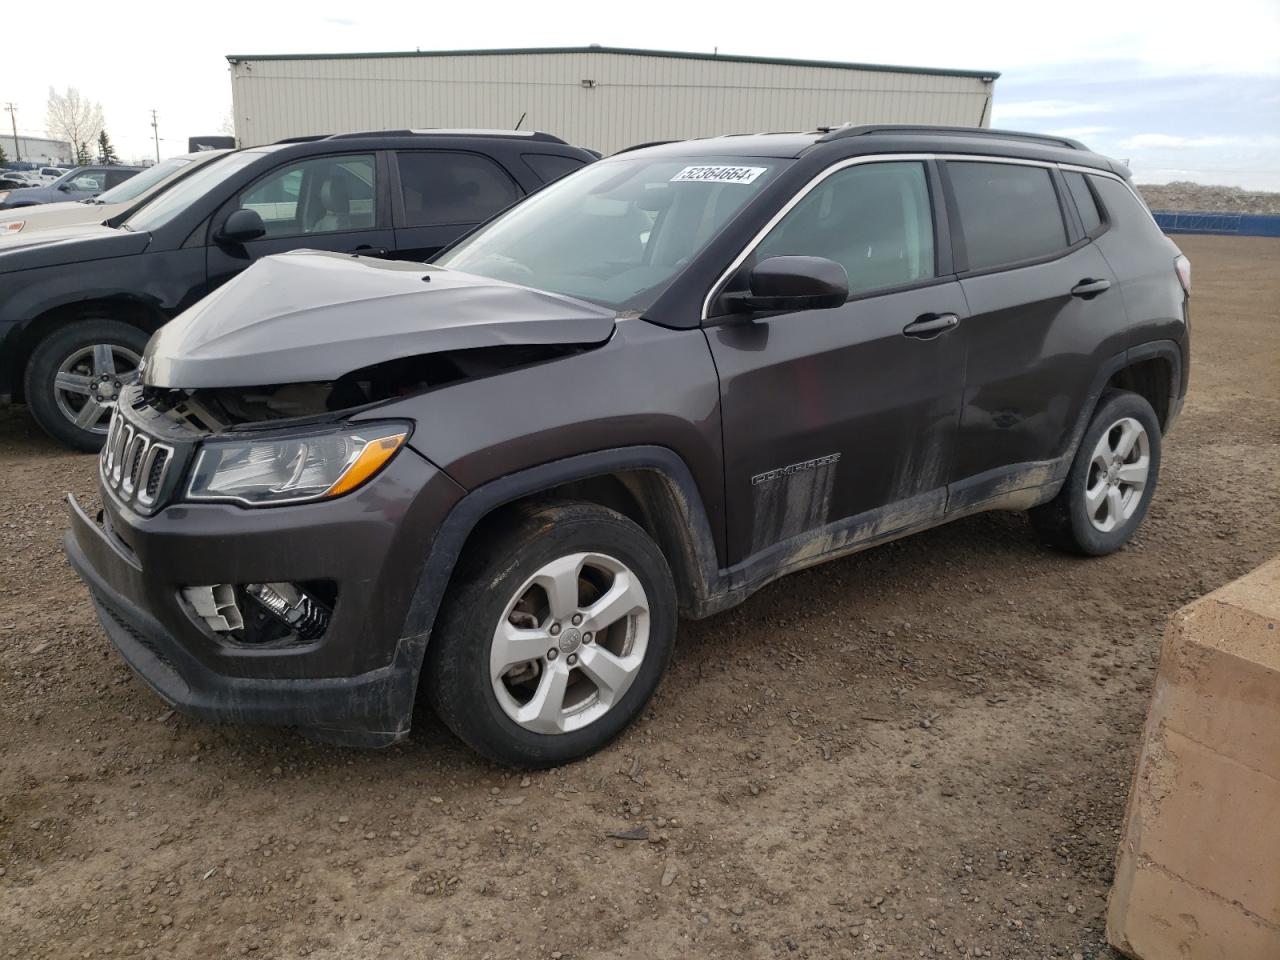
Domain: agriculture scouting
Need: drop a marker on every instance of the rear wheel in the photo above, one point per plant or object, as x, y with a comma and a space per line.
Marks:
555, 634
75, 374
1111, 481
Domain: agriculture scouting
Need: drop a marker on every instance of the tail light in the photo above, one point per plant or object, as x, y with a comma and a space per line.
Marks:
1182, 267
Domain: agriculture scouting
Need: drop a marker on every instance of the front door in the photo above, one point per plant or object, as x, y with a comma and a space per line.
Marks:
844, 418
324, 203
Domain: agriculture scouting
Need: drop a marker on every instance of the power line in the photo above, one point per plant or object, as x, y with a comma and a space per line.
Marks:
13, 119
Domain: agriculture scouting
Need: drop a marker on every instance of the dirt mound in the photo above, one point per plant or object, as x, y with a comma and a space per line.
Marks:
1181, 195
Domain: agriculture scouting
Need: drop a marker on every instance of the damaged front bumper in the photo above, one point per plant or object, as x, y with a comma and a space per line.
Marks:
356, 684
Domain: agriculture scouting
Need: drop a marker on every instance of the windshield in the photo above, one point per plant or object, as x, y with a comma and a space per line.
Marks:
139, 183
172, 202
616, 232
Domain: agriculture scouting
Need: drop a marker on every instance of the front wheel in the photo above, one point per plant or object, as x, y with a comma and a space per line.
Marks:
75, 374
554, 636
1111, 481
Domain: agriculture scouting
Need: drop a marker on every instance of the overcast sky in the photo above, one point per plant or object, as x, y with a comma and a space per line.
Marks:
1184, 91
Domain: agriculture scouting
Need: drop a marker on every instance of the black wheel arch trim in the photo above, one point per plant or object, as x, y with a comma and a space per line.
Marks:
696, 564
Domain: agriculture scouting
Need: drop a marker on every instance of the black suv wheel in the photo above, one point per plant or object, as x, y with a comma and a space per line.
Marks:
554, 637
75, 374
1111, 482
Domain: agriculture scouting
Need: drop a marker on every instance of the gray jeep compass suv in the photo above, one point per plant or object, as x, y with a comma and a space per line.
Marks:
648, 390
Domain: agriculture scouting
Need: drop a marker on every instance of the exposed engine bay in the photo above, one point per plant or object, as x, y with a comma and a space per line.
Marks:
215, 410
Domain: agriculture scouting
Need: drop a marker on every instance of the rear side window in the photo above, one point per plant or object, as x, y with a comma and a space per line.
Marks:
441, 187
1008, 212
873, 219
1085, 204
550, 167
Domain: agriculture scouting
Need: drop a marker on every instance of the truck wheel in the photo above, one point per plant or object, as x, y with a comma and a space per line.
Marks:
554, 635
75, 374
1111, 482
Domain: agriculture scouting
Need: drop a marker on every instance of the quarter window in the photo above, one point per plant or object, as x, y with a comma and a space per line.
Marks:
873, 219
441, 187
323, 195
1085, 203
1008, 212
550, 166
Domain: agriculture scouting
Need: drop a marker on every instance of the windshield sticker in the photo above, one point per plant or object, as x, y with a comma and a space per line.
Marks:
719, 174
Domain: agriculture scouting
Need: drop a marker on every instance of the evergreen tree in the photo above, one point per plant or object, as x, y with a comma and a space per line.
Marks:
106, 152
83, 156
4, 157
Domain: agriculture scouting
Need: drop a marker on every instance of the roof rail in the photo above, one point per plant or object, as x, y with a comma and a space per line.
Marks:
863, 130
450, 132
641, 146
309, 138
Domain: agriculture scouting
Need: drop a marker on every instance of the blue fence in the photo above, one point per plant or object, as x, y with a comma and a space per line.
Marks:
1234, 224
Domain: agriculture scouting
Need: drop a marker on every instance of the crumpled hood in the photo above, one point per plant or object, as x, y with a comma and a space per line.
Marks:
75, 243
314, 316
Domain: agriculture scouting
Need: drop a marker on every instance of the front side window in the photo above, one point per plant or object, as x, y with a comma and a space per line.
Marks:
1008, 212
873, 219
322, 195
90, 180
116, 177
441, 187
617, 232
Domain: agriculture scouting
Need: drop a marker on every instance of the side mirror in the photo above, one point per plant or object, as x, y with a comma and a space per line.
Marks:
241, 227
794, 283
65, 187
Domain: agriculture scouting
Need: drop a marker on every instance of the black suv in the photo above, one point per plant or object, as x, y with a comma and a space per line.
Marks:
78, 304
648, 390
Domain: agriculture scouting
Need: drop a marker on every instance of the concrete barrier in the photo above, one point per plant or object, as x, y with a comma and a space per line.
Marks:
1198, 872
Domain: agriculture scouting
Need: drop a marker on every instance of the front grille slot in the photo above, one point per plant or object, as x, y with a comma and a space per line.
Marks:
133, 464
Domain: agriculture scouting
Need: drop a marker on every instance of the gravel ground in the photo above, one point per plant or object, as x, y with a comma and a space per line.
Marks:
920, 751
1196, 197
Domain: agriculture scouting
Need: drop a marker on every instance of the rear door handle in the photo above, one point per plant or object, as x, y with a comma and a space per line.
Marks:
1088, 289
930, 325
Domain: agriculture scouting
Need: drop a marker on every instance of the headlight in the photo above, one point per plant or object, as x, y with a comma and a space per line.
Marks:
292, 469
10, 227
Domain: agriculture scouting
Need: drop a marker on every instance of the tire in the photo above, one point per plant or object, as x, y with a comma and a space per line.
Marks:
70, 351
466, 657
1079, 519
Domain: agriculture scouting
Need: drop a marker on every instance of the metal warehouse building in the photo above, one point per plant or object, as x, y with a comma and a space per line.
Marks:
605, 98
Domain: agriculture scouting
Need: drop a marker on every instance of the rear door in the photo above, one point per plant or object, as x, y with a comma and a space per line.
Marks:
1044, 311
335, 202
845, 418
441, 194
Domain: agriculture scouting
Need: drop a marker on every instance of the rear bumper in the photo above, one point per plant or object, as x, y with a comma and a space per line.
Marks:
357, 685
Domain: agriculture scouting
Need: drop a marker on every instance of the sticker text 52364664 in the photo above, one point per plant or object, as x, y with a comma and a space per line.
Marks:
718, 174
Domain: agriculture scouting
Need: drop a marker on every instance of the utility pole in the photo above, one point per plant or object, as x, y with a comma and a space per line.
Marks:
13, 119
155, 129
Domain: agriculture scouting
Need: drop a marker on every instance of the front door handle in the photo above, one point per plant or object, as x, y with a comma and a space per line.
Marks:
1088, 289
930, 325
364, 250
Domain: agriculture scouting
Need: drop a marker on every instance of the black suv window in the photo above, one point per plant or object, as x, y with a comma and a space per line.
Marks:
1008, 212
1085, 204
116, 177
873, 219
549, 166
441, 187
324, 195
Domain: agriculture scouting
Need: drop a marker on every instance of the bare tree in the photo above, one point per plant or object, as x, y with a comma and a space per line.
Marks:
227, 127
73, 117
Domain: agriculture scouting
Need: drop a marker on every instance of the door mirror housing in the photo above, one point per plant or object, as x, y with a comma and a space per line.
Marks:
242, 226
793, 283
65, 187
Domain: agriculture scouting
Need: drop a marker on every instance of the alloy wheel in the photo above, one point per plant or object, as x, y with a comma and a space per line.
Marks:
88, 382
1118, 472
570, 643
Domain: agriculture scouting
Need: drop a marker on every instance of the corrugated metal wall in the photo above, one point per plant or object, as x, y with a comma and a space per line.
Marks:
634, 98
